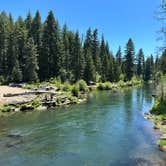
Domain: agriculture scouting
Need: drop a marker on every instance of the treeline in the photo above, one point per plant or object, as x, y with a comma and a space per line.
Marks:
32, 50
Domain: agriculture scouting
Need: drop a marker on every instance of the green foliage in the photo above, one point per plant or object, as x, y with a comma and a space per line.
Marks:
6, 108
104, 86
2, 80
82, 86
32, 50
75, 91
121, 84
31, 86
31, 64
36, 104
129, 59
16, 75
66, 87
159, 107
122, 77
161, 143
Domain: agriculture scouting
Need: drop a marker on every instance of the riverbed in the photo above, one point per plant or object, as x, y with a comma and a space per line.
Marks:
109, 129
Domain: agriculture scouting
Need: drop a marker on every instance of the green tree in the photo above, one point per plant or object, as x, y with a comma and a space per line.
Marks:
36, 30
31, 64
129, 59
49, 60
148, 69
96, 51
78, 58
89, 73
16, 75
3, 43
139, 66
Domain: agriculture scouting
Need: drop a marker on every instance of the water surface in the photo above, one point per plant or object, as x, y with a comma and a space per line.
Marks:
107, 130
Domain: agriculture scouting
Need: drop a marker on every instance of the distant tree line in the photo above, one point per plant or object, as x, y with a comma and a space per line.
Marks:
32, 50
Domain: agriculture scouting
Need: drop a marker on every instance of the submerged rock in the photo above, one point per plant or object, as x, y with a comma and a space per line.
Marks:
15, 135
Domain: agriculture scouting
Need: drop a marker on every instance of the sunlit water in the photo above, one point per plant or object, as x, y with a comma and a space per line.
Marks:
107, 130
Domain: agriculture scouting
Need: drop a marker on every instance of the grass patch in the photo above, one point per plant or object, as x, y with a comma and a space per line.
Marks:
161, 143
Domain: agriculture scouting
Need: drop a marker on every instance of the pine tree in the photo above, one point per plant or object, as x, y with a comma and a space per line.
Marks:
28, 23
140, 62
119, 57
36, 30
96, 51
148, 69
16, 75
89, 73
20, 37
49, 60
104, 56
3, 43
12, 47
129, 59
162, 63
78, 59
31, 64
88, 43
65, 42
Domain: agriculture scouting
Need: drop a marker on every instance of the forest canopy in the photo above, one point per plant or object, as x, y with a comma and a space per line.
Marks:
32, 50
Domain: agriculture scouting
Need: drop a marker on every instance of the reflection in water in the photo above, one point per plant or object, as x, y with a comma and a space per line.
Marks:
108, 129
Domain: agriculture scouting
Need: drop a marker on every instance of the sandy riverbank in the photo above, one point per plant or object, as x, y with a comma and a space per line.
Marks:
7, 89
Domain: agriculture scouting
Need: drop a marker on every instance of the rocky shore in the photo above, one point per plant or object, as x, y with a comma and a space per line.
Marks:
159, 124
19, 99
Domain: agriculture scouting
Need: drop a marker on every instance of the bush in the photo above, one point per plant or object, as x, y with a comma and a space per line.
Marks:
75, 91
6, 108
122, 77
66, 87
82, 86
121, 83
104, 86
36, 104
2, 80
161, 143
101, 86
108, 86
159, 107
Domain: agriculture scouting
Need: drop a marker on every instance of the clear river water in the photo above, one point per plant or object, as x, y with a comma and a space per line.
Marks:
107, 130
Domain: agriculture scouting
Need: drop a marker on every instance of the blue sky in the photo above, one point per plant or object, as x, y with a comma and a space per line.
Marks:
116, 19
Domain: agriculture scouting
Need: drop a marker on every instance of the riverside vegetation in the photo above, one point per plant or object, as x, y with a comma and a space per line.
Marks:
159, 110
62, 94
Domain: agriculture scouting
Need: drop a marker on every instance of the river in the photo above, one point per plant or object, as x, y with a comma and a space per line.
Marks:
107, 130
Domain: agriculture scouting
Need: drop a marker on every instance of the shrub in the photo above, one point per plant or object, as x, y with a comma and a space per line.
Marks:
107, 86
2, 80
66, 87
161, 143
36, 104
104, 86
101, 86
82, 86
159, 107
6, 108
122, 77
24, 107
75, 91
121, 83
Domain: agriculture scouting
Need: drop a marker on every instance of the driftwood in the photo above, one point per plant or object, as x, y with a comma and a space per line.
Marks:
30, 93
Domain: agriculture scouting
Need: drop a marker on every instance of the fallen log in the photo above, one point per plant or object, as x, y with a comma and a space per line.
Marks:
31, 93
